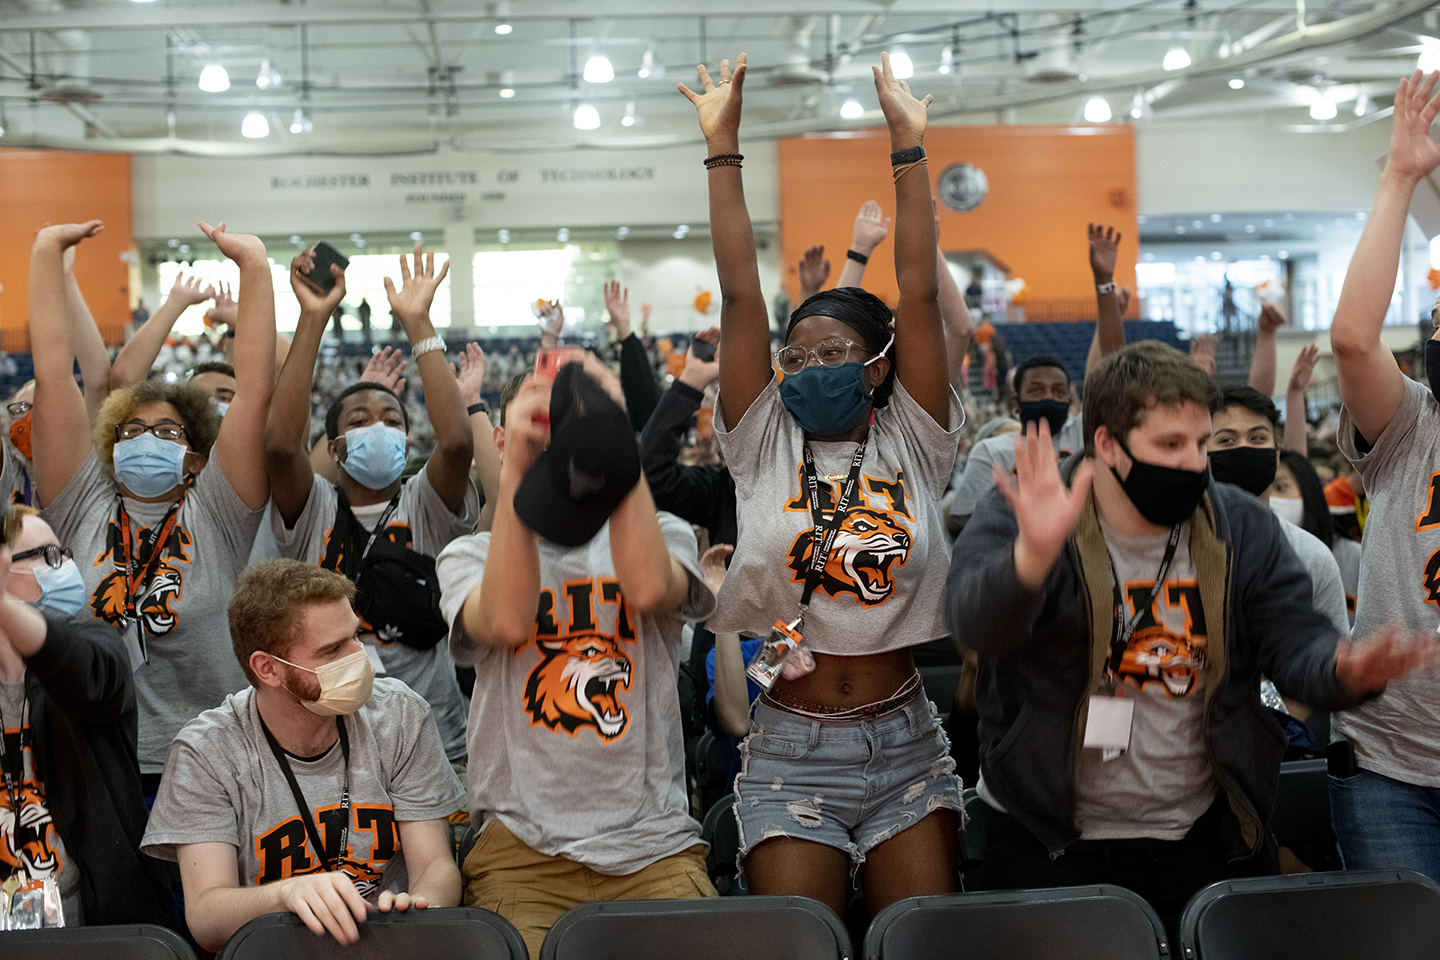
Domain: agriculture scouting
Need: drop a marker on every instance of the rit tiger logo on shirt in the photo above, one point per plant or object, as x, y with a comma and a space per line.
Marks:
28, 840
284, 850
871, 544
1429, 519
165, 587
1158, 659
582, 669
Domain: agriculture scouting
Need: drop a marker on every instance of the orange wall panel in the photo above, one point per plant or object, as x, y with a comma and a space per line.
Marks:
42, 186
1045, 184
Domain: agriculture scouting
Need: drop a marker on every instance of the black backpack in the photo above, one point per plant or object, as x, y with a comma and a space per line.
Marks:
396, 588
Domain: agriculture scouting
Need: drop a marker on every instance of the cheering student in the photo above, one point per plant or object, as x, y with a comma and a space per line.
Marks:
838, 473
370, 515
162, 502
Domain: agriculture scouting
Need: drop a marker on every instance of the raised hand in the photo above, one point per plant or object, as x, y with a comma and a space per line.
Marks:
386, 367
905, 115
1391, 652
471, 374
66, 235
712, 565
527, 428
1104, 248
188, 292
236, 246
1271, 319
718, 105
411, 303
872, 227
1412, 153
226, 308
1302, 373
1045, 509
814, 271
701, 373
617, 304
1202, 351
314, 304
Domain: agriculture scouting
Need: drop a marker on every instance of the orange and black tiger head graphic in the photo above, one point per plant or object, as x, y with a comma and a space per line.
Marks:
1157, 656
155, 606
1432, 579
868, 545
29, 841
577, 683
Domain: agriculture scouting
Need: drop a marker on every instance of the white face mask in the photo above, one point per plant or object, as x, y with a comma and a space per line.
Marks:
1287, 509
344, 685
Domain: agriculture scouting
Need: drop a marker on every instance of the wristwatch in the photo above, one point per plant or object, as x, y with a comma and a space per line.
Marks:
425, 346
1105, 287
481, 407
907, 156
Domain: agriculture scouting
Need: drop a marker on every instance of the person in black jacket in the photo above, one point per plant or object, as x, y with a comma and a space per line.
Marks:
1122, 634
704, 493
69, 747
637, 373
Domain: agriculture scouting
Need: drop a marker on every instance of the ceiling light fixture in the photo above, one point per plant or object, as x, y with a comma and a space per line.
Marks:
507, 84
255, 126
502, 19
586, 117
599, 69
648, 67
1097, 110
300, 123
852, 109
503, 236
947, 61
1323, 109
214, 79
1363, 104
901, 65
622, 232
1237, 83
563, 235
633, 117
1429, 60
268, 75
1177, 59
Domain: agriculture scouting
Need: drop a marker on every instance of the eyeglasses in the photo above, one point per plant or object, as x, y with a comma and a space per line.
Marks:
19, 408
830, 352
165, 431
53, 553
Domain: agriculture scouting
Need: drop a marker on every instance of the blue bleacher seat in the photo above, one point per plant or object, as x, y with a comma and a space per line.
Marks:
1070, 342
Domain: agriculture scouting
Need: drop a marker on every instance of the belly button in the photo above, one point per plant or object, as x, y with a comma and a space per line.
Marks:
845, 689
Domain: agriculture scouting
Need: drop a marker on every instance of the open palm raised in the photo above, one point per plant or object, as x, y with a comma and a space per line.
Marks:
1045, 509
718, 105
1412, 153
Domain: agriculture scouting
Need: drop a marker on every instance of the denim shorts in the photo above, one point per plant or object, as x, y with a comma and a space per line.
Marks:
849, 785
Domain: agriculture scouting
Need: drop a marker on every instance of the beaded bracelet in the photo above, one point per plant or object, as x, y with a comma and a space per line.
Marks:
723, 160
899, 171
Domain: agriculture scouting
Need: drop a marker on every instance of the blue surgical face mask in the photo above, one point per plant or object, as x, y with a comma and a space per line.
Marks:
220, 407
374, 455
829, 401
62, 589
148, 466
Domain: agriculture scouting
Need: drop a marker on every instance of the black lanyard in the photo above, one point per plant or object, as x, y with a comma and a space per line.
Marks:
1124, 628
305, 815
379, 524
824, 536
14, 778
136, 584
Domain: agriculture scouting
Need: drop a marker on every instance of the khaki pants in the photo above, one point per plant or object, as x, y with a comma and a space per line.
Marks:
532, 891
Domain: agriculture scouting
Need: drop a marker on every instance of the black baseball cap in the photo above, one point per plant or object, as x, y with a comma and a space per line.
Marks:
592, 463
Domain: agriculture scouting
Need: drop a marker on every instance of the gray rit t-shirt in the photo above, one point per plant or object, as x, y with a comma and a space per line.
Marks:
883, 582
34, 847
979, 475
422, 522
1326, 587
16, 481
192, 665
1397, 734
575, 737
222, 784
1161, 785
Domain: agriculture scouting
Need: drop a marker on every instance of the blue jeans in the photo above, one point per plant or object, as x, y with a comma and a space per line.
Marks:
1386, 824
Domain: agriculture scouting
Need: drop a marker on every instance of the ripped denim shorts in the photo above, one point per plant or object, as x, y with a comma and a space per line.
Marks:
851, 785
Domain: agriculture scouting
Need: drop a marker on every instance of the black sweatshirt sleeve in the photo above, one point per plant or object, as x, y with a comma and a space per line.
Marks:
691, 493
85, 672
637, 380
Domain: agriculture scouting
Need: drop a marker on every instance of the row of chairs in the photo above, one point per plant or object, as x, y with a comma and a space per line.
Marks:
1358, 915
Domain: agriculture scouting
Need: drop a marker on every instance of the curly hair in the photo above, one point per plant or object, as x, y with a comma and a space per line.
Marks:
191, 401
267, 608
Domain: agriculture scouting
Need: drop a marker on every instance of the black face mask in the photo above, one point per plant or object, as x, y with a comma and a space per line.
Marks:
1054, 411
1252, 469
1164, 495
1432, 366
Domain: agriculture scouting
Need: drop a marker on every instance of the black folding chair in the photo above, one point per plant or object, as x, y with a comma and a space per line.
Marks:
453, 933
140, 941
1102, 922
1352, 915
722, 832
713, 928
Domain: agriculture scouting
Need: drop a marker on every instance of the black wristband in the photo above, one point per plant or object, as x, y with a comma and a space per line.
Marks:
481, 407
859, 258
907, 156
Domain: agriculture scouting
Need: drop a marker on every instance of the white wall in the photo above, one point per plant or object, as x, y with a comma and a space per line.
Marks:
668, 274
